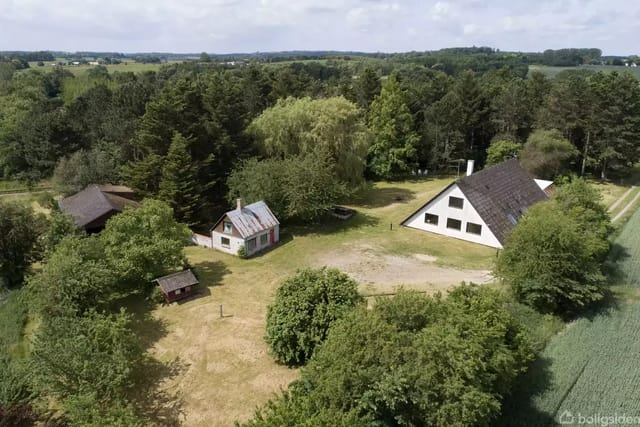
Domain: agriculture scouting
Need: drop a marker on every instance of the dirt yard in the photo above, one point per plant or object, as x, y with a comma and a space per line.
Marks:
380, 273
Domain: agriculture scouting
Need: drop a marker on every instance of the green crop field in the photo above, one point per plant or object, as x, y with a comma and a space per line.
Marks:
552, 72
592, 367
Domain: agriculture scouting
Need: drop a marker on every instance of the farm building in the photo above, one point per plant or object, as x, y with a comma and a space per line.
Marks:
177, 286
253, 227
481, 207
93, 206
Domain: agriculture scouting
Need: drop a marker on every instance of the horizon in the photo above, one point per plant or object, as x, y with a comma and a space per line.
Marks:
226, 27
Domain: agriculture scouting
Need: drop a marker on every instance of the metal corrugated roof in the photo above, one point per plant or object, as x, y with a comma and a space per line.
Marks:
252, 219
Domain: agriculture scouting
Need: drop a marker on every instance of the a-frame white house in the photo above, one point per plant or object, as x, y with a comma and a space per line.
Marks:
481, 207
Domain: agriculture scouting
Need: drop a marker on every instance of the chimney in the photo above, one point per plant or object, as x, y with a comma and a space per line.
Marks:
470, 167
240, 203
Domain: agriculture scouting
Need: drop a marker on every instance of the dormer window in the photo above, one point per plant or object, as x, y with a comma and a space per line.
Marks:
227, 227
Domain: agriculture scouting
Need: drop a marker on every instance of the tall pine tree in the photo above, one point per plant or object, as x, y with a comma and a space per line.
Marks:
178, 186
394, 148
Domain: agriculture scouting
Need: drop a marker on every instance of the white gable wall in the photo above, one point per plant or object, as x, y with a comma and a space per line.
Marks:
440, 207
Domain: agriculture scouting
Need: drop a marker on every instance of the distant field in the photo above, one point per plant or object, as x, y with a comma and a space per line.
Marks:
552, 72
130, 66
592, 367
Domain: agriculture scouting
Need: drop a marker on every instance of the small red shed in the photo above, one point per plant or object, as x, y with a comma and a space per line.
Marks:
177, 285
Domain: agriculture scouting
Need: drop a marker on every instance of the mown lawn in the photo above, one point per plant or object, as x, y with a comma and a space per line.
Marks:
225, 368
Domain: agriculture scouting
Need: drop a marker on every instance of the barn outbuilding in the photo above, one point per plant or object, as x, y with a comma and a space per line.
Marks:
253, 227
481, 207
177, 286
92, 207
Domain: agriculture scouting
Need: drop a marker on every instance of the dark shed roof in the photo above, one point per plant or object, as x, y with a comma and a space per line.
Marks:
94, 202
178, 280
501, 194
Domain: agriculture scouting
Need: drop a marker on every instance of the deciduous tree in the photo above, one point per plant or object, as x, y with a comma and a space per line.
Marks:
306, 305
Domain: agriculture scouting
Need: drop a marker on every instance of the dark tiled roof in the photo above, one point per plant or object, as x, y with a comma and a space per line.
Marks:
178, 280
501, 194
92, 203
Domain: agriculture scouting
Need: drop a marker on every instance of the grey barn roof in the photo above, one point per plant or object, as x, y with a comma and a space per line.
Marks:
252, 219
95, 201
175, 281
500, 194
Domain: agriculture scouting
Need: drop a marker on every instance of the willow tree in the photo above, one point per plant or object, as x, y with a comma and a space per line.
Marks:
333, 128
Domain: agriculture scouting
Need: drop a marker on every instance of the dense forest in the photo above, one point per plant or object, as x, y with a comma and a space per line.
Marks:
189, 132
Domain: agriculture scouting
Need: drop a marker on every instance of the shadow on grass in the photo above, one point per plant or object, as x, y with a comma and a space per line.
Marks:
518, 409
331, 225
158, 406
209, 273
371, 197
613, 270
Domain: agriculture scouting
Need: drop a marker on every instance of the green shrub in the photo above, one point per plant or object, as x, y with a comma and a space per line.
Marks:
306, 305
242, 252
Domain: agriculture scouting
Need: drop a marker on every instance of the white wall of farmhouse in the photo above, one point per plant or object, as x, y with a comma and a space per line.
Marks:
252, 245
220, 244
467, 214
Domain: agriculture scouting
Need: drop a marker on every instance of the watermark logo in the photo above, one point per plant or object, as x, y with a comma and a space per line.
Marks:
602, 420
567, 418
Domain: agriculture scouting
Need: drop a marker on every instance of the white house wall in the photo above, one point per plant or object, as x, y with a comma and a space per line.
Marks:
261, 247
440, 207
234, 242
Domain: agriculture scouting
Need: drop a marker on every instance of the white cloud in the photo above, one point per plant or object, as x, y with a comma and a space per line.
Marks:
371, 25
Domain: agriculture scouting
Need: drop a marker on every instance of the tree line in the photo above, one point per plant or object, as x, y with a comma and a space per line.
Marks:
193, 133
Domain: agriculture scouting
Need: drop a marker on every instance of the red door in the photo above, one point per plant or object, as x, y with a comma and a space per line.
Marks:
272, 236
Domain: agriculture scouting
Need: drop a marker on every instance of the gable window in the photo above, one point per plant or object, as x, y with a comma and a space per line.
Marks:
226, 243
251, 244
456, 202
264, 239
227, 227
474, 228
454, 224
178, 291
431, 219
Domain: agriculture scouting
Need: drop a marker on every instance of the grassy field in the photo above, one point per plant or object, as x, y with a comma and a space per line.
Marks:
13, 319
225, 369
552, 72
130, 66
591, 368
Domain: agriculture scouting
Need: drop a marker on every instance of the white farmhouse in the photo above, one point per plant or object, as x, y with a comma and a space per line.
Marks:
481, 207
253, 226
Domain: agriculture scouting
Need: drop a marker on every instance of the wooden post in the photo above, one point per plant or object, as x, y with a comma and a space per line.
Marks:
391, 226
221, 316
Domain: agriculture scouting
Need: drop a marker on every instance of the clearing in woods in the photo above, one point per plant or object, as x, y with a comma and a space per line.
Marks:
222, 366
225, 370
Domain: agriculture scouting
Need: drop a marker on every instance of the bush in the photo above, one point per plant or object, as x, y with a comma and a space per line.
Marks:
242, 252
306, 305
410, 361
552, 261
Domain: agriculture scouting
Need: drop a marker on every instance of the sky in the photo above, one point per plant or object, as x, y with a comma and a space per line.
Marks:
226, 26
